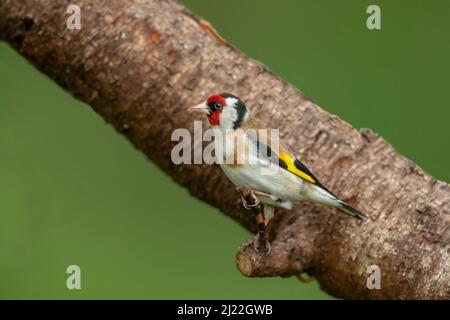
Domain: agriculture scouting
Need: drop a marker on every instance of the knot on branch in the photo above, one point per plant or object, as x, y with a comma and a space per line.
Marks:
284, 259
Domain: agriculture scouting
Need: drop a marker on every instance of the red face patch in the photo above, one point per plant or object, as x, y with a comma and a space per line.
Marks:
214, 101
216, 98
214, 118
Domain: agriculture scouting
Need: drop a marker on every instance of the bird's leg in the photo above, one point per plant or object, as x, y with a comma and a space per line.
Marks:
251, 202
269, 212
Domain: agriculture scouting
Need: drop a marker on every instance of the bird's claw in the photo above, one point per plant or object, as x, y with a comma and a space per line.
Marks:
248, 198
261, 245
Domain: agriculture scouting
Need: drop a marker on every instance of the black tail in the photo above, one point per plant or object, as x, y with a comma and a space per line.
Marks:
351, 211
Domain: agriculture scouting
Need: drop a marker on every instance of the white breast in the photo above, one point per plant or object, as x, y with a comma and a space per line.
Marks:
259, 174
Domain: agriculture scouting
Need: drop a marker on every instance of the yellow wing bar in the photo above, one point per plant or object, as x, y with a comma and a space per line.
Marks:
291, 167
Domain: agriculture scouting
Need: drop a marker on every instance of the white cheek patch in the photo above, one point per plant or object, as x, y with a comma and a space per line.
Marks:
229, 114
228, 117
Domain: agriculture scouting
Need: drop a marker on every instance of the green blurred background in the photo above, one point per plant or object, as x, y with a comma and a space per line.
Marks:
73, 191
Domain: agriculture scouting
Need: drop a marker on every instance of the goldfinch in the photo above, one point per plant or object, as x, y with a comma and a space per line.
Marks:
252, 151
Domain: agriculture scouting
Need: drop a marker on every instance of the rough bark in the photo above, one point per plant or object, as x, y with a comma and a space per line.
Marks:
139, 63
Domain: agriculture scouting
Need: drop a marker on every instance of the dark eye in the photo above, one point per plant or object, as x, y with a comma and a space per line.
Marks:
214, 106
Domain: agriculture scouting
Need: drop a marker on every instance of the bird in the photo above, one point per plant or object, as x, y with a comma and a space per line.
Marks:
253, 149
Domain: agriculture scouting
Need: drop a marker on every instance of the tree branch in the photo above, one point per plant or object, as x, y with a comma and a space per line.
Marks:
140, 63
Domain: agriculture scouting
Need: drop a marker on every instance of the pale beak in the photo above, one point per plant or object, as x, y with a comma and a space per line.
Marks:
200, 108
